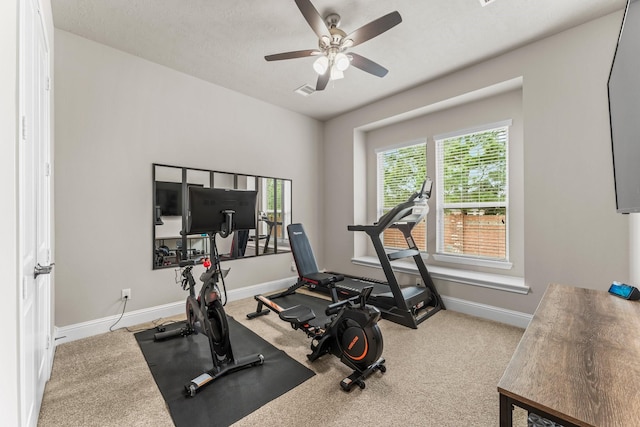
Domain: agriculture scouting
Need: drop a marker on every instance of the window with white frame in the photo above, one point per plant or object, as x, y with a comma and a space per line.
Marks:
275, 198
401, 171
472, 192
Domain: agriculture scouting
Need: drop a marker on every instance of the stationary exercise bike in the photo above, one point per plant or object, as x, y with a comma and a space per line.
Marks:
205, 312
352, 334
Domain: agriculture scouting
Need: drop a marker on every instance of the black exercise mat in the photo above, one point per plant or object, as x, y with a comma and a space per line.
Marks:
176, 361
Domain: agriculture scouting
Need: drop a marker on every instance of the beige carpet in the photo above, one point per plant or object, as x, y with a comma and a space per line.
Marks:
442, 374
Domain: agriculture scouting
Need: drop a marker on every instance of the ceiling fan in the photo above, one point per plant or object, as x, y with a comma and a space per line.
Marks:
333, 43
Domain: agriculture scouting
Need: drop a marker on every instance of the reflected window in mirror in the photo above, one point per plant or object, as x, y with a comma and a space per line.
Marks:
274, 215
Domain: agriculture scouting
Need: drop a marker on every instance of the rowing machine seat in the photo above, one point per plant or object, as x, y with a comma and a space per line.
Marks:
298, 314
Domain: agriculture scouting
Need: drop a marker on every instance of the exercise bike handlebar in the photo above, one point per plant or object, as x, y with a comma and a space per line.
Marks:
191, 262
187, 265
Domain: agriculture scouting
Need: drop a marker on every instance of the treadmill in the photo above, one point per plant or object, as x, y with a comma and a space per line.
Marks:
405, 305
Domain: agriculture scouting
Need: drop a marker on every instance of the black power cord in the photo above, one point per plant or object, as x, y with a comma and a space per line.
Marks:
122, 314
156, 323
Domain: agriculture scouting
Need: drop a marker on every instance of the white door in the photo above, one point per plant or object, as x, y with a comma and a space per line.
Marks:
35, 209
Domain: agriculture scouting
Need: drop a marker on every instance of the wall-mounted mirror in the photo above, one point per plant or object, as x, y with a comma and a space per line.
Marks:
170, 210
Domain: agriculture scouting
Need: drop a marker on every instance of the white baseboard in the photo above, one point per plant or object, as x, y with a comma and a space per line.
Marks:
99, 326
502, 315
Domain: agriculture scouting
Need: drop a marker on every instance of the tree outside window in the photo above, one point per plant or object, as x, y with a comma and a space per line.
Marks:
472, 194
401, 172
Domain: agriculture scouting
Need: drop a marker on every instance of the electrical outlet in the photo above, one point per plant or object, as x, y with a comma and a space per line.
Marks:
293, 266
126, 294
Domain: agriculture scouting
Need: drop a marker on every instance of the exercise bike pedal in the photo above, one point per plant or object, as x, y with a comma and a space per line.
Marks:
166, 334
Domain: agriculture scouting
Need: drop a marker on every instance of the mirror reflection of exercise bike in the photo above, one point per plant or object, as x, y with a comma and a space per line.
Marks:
213, 211
352, 333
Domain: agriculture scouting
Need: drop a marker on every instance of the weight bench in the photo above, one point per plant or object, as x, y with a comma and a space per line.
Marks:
306, 264
308, 275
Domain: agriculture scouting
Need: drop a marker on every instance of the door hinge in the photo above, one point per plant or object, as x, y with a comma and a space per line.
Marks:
47, 83
48, 342
47, 169
24, 288
24, 128
48, 256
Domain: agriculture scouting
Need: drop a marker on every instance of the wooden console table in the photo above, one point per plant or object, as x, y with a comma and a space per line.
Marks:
578, 363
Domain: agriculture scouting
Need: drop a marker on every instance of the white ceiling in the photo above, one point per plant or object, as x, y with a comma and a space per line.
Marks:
225, 41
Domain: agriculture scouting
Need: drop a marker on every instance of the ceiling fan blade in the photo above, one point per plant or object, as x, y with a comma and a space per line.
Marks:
292, 55
367, 65
323, 79
312, 16
374, 28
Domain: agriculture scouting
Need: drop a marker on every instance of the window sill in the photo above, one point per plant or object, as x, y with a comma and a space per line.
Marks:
479, 262
474, 278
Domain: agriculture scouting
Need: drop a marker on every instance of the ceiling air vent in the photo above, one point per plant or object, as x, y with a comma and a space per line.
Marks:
486, 2
305, 90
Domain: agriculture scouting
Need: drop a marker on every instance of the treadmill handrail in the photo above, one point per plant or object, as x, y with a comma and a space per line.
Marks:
401, 211
395, 215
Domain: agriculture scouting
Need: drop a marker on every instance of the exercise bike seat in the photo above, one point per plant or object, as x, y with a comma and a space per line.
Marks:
298, 314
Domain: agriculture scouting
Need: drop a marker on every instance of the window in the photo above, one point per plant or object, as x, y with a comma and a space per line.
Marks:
472, 192
401, 171
276, 193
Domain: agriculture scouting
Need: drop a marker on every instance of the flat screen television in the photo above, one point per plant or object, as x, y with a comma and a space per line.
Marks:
207, 206
624, 111
169, 197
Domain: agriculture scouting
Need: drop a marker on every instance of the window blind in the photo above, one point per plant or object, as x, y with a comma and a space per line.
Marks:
472, 193
401, 171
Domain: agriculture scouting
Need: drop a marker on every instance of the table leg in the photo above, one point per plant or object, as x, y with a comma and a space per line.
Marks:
506, 411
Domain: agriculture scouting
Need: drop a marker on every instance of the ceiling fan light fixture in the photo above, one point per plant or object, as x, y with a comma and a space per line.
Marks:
336, 74
331, 60
321, 65
341, 61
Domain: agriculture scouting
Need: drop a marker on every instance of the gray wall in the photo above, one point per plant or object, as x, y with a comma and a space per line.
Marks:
116, 114
572, 234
